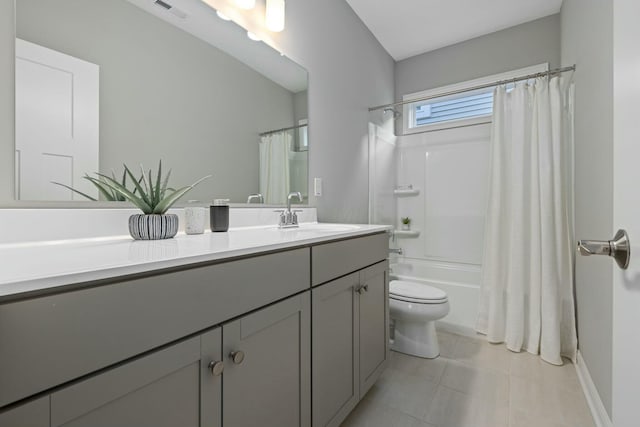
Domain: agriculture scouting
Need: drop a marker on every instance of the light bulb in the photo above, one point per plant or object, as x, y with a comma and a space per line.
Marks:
253, 37
246, 4
222, 16
274, 16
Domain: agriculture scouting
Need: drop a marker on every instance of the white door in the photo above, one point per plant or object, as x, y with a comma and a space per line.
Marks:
56, 123
626, 175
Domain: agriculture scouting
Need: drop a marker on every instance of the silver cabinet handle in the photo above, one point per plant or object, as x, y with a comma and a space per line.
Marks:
362, 289
216, 368
618, 248
237, 357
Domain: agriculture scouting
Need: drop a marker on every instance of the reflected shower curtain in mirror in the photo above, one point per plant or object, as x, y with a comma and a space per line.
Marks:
275, 182
526, 298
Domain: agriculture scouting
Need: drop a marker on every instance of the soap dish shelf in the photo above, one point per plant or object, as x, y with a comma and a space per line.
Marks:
406, 192
407, 234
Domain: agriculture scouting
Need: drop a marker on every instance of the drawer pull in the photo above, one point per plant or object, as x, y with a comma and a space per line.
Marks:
363, 289
237, 357
216, 368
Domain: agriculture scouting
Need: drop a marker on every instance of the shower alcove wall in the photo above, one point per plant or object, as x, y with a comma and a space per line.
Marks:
449, 170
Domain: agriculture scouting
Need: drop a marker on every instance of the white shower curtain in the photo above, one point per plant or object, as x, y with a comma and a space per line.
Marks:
526, 298
275, 182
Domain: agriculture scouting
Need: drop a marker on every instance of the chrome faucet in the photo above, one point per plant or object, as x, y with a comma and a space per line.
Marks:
289, 218
259, 197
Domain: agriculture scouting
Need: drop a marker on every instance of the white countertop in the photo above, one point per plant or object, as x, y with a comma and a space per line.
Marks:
43, 266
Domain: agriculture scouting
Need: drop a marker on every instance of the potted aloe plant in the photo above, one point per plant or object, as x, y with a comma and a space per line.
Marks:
153, 196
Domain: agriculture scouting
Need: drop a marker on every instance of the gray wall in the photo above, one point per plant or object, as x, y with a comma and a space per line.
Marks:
165, 94
587, 41
527, 44
348, 72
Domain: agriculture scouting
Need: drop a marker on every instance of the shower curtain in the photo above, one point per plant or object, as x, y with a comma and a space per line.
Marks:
526, 298
275, 180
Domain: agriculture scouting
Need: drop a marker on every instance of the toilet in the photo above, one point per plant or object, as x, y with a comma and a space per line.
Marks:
414, 308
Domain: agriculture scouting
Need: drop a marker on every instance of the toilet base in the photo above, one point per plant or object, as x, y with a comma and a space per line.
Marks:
415, 339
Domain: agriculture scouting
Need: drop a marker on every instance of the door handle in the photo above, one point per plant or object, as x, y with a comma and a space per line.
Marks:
618, 248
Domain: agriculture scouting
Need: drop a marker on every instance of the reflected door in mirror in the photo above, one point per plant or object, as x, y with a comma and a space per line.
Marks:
56, 123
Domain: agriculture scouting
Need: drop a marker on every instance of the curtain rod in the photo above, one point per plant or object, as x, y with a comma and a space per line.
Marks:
484, 86
282, 130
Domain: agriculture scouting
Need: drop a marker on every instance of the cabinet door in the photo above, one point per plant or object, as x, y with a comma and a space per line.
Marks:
335, 359
32, 414
374, 324
270, 386
158, 390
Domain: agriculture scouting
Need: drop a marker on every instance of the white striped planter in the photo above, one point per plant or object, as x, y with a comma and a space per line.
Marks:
153, 227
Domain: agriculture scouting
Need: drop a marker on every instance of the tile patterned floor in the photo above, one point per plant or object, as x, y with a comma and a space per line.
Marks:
473, 384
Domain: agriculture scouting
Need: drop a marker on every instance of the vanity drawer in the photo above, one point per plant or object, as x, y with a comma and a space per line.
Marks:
47, 341
336, 259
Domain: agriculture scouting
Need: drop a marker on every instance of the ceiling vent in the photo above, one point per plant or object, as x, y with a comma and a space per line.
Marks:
169, 8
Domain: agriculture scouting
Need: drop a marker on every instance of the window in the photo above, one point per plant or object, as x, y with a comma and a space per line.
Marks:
461, 109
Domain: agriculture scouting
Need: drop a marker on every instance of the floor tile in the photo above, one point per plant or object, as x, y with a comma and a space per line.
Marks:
429, 369
476, 381
404, 392
373, 414
451, 408
473, 384
447, 342
480, 353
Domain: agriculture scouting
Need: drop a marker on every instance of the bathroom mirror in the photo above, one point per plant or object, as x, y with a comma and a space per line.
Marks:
102, 83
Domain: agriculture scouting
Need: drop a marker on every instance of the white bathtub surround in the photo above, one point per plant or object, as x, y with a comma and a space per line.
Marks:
461, 282
526, 298
35, 225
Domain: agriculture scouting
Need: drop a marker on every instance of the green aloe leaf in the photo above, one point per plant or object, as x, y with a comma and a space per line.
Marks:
119, 188
169, 200
105, 190
75, 191
143, 194
165, 184
158, 183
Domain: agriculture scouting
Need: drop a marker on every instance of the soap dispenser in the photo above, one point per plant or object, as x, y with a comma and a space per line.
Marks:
219, 215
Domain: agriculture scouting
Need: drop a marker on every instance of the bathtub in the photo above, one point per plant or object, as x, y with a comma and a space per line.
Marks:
461, 282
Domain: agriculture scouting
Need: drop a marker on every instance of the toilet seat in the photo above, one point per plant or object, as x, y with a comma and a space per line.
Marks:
416, 293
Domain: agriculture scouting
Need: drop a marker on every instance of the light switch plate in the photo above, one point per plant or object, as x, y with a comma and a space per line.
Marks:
317, 187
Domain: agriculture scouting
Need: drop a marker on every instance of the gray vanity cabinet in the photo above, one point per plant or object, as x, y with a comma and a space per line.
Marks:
373, 313
170, 387
335, 351
32, 414
267, 366
350, 341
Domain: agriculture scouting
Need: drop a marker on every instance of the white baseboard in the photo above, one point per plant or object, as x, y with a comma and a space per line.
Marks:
600, 416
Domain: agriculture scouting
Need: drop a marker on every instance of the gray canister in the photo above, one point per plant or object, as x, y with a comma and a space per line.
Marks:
219, 215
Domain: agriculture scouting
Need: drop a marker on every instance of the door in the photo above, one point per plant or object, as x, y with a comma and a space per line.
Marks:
334, 348
373, 312
168, 388
56, 123
626, 177
267, 366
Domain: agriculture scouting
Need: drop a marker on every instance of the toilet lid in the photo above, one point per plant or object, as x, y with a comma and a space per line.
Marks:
416, 292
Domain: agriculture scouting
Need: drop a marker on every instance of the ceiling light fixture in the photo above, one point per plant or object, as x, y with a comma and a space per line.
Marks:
274, 16
246, 4
222, 16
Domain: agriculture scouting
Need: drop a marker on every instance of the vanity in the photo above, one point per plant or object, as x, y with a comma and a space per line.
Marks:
255, 327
